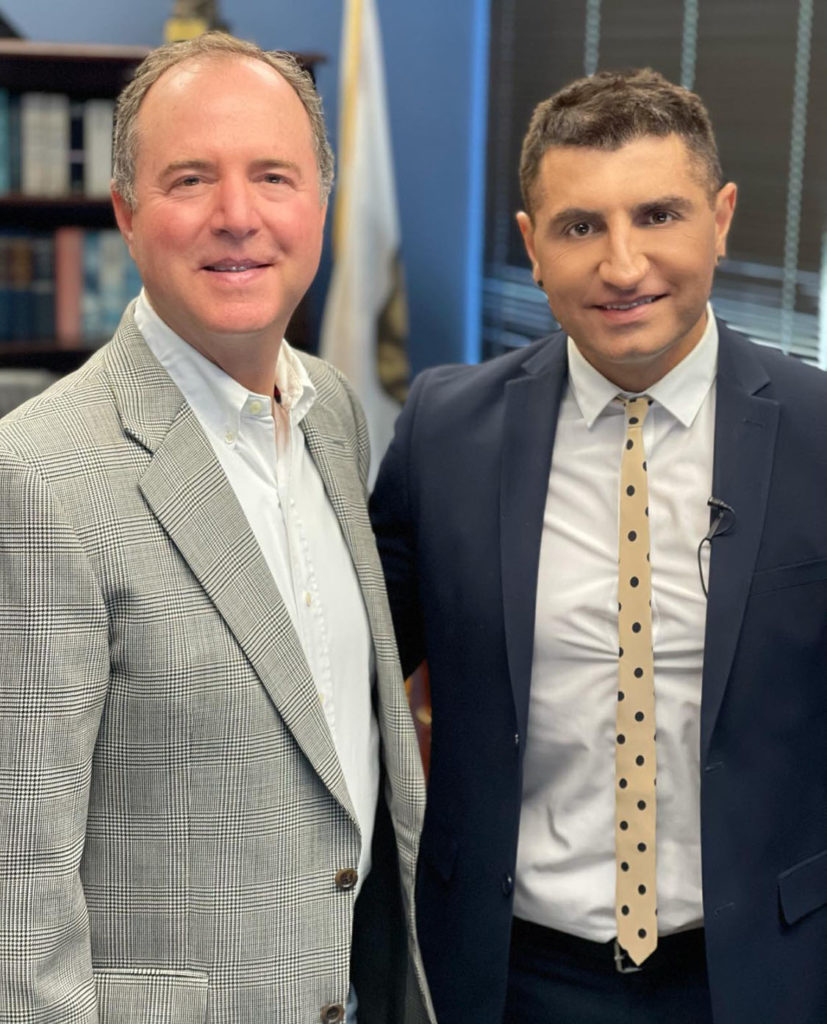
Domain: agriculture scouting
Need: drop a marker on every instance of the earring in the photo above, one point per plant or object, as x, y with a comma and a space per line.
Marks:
539, 283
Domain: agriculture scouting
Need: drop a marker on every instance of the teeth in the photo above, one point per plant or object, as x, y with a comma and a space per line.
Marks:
630, 305
231, 270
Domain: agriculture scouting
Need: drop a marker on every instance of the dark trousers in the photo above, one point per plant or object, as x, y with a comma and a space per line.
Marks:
560, 979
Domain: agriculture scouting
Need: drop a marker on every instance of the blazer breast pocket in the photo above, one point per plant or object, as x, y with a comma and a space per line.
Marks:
147, 994
803, 888
801, 574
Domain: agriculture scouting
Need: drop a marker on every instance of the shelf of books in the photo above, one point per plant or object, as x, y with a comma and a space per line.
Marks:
65, 273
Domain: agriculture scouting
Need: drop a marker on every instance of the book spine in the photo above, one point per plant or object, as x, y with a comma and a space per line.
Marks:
43, 287
5, 286
20, 287
68, 286
33, 135
14, 143
5, 143
97, 144
56, 177
91, 328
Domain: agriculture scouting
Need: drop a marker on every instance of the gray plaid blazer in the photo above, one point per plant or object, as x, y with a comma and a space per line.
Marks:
172, 811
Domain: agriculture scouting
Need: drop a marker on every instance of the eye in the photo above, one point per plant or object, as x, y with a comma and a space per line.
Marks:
579, 230
274, 178
189, 181
660, 216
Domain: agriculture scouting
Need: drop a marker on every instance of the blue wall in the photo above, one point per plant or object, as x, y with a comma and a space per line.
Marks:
436, 64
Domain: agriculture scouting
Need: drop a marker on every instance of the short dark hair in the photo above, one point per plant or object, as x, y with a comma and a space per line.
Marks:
611, 108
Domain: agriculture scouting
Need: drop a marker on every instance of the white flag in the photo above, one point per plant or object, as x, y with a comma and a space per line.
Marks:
365, 323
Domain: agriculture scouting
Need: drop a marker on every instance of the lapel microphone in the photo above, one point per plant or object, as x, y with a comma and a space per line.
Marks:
723, 520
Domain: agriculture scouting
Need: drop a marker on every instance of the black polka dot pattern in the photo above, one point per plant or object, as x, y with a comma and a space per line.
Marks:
635, 752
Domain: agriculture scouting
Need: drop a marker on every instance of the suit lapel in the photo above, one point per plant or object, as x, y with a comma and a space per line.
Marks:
532, 403
190, 496
745, 430
334, 459
323, 434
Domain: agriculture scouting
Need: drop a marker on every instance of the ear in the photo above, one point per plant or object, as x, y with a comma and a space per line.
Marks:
724, 212
527, 231
123, 217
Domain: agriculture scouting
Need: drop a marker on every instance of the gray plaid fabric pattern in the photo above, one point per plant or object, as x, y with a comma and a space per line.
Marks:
172, 811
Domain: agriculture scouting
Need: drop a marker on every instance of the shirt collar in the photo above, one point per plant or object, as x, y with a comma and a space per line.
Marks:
681, 392
214, 396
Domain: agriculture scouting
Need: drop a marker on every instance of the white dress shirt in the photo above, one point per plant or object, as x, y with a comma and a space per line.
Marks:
565, 875
282, 495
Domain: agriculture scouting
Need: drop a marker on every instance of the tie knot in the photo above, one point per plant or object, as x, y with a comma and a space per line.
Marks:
636, 409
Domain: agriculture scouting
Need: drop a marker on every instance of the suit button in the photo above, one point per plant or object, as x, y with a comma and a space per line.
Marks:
332, 1013
508, 884
347, 878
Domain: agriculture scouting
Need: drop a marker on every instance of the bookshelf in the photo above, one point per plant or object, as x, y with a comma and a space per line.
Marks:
64, 274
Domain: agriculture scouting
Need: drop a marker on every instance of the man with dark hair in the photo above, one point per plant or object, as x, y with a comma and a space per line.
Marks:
210, 789
611, 548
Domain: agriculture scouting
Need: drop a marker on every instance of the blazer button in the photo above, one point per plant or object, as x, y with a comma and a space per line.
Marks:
332, 1013
508, 884
346, 879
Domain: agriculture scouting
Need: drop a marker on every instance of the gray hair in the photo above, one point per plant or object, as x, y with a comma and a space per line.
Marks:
210, 45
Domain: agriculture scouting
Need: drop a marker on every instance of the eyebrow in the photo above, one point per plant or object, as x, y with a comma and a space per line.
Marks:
207, 165
573, 214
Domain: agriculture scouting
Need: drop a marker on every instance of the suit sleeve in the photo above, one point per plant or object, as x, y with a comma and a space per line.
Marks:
392, 514
54, 672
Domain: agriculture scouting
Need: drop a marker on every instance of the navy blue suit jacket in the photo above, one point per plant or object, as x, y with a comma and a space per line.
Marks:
458, 511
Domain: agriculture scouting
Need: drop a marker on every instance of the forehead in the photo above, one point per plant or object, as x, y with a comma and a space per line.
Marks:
191, 94
637, 171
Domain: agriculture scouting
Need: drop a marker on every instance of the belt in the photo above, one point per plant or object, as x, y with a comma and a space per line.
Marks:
673, 951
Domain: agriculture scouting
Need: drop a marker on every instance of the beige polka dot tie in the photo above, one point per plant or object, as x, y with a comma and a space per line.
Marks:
635, 893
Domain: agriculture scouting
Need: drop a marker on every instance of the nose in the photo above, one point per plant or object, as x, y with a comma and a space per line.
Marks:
624, 264
235, 211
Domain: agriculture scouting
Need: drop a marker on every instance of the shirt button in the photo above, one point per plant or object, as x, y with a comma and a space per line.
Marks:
346, 879
308, 600
229, 437
255, 407
332, 1013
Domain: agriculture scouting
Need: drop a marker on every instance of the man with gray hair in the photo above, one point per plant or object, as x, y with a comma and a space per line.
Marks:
210, 789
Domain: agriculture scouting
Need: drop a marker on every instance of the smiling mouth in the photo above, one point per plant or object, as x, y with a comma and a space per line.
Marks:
228, 267
624, 306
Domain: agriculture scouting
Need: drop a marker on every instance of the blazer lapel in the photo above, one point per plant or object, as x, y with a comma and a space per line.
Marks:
745, 430
189, 494
532, 403
331, 443
334, 460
